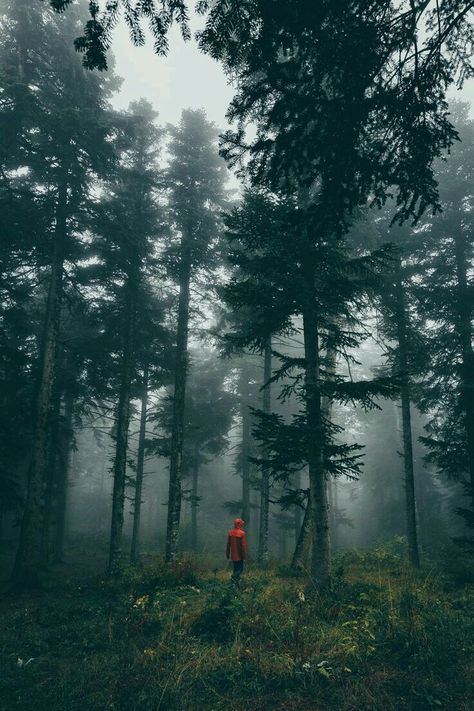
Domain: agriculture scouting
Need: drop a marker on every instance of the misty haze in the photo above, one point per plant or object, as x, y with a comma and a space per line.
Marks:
236, 355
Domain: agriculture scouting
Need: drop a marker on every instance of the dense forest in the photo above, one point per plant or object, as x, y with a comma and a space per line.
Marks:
271, 320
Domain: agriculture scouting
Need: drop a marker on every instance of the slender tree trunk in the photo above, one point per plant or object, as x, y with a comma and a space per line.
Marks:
410, 500
180, 374
134, 551
265, 485
331, 512
194, 501
51, 471
298, 514
282, 535
104, 505
28, 557
3, 547
245, 415
66, 446
321, 554
421, 500
326, 412
335, 537
122, 425
465, 315
303, 544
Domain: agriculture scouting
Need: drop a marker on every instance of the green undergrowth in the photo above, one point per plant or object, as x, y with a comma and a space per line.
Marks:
183, 638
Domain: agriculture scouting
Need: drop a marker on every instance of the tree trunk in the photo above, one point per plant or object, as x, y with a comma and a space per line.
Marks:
410, 500
265, 485
282, 543
122, 425
465, 315
303, 544
177, 430
326, 412
298, 513
52, 469
331, 512
245, 415
28, 557
134, 551
321, 554
335, 522
194, 501
65, 457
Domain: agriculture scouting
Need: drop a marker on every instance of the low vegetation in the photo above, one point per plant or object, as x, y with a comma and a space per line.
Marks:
183, 639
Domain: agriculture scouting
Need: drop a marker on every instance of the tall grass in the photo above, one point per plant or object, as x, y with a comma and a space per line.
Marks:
182, 638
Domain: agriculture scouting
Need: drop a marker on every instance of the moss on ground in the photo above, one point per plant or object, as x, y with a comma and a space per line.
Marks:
186, 640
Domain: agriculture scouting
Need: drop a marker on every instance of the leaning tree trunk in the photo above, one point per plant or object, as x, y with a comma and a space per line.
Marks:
410, 499
245, 415
464, 325
65, 457
137, 507
265, 484
177, 427
303, 544
195, 500
321, 554
122, 425
28, 557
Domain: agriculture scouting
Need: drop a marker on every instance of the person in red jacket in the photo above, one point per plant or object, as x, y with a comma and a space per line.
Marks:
236, 549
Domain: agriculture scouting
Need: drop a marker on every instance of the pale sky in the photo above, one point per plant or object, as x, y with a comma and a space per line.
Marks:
186, 78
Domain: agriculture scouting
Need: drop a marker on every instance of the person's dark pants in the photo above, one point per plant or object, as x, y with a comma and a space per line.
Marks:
238, 566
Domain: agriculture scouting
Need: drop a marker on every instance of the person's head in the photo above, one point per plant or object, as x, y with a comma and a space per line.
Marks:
239, 523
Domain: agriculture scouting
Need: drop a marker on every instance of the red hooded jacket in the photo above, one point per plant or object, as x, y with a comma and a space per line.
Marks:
237, 542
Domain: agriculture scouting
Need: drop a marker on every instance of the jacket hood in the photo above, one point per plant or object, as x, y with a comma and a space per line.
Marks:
239, 523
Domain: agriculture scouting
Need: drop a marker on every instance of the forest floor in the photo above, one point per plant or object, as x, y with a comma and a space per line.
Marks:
183, 639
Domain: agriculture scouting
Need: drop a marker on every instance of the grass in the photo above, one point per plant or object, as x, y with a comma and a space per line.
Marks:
185, 639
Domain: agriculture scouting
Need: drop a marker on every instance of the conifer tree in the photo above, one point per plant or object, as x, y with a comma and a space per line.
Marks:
443, 289
403, 357
209, 411
405, 353
59, 110
265, 482
137, 503
232, 25
129, 221
311, 142
195, 179
253, 319
288, 278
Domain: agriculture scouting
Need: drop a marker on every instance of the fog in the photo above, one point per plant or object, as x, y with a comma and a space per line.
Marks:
159, 294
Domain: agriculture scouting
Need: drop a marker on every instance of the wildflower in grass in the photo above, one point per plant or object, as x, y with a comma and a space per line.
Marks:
141, 602
21, 662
